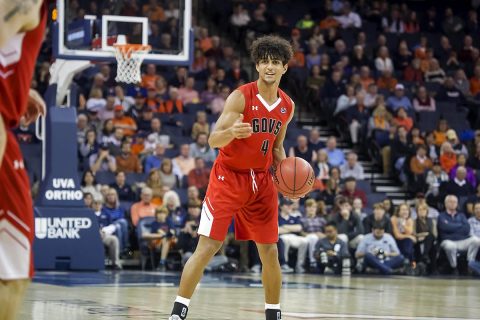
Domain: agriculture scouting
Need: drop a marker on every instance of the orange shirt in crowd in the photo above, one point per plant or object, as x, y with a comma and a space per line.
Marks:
171, 106
206, 44
329, 22
154, 13
129, 163
137, 148
366, 82
125, 122
387, 83
298, 60
448, 161
406, 122
149, 81
474, 86
418, 167
440, 137
141, 210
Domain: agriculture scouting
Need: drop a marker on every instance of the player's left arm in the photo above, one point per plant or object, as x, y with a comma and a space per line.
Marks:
278, 150
18, 16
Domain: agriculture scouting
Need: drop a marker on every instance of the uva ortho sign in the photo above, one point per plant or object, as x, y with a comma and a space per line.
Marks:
63, 189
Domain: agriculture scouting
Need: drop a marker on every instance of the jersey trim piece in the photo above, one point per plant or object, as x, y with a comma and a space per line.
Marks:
266, 105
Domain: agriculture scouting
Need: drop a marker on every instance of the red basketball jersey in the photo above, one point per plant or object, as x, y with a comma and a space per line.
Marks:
17, 64
267, 120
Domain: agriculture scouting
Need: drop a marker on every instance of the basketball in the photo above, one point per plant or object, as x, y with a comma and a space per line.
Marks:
294, 177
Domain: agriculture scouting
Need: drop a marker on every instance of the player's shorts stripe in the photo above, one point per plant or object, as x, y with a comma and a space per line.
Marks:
206, 221
208, 199
16, 219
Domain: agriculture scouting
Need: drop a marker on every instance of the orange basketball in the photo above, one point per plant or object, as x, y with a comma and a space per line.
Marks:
294, 177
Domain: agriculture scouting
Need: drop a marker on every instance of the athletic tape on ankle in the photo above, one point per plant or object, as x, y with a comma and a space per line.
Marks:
183, 300
272, 306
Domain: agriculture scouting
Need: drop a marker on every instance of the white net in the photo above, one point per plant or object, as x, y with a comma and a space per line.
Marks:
129, 61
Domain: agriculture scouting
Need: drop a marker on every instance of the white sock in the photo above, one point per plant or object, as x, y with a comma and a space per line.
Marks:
272, 306
183, 301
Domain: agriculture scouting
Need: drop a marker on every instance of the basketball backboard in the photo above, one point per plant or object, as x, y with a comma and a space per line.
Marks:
87, 29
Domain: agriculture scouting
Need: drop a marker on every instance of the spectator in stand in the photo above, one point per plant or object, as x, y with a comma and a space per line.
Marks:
387, 81
423, 102
401, 148
155, 160
435, 178
289, 230
114, 142
200, 175
349, 19
136, 110
217, 104
188, 237
411, 23
462, 83
123, 189
150, 76
201, 125
184, 162
201, 148
176, 215
108, 111
349, 225
399, 99
383, 62
448, 157
313, 57
379, 250
332, 253
193, 194
143, 208
372, 97
102, 161
357, 117
88, 200
452, 25
124, 122
474, 220
89, 185
334, 86
402, 119
336, 157
462, 162
154, 11
365, 78
120, 99
107, 229
236, 72
188, 94
454, 233
475, 82
160, 236
88, 147
321, 167
394, 24
167, 175
403, 231
379, 122
379, 215
413, 72
152, 101
127, 161
116, 215
351, 168
458, 186
96, 100
440, 134
314, 140
449, 92
82, 127
303, 150
425, 230
419, 165
173, 104
435, 73
313, 225
457, 146
154, 182
346, 100
210, 92
331, 191
359, 61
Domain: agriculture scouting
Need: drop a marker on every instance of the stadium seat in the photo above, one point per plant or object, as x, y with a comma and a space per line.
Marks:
373, 198
194, 107
171, 153
133, 178
105, 177
364, 185
427, 121
146, 253
183, 195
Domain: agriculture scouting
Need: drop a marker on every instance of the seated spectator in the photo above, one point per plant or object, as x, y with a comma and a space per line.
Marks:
462, 162
457, 146
120, 99
403, 232
171, 105
336, 156
144, 120
461, 82
365, 79
379, 250
96, 100
377, 216
332, 253
155, 184
383, 62
440, 134
89, 185
454, 233
321, 167
471, 200
303, 150
413, 72
371, 96
143, 208
351, 168
313, 57
425, 230
188, 237
334, 87
357, 117
331, 191
419, 165
423, 102
394, 24
351, 191
399, 100
236, 72
107, 229
217, 104
435, 178
349, 225
184, 162
358, 208
201, 148
124, 190
435, 73
127, 161
458, 186
289, 230
176, 215
160, 236
349, 19
312, 225
401, 148
188, 94
199, 176
102, 161
157, 134
167, 176
136, 110
201, 125
155, 160
449, 92
315, 80
150, 76
210, 91
88, 200
475, 82
379, 121
346, 100
88, 147
404, 56
193, 194
448, 157
387, 81
474, 221
124, 122
116, 215
402, 119
314, 140
82, 127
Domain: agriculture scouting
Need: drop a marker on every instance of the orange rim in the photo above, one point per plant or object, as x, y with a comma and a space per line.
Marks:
128, 49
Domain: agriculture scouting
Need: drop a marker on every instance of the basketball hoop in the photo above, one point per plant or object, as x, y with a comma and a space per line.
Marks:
129, 60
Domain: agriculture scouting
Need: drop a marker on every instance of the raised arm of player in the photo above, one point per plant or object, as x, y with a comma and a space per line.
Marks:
230, 124
278, 150
18, 16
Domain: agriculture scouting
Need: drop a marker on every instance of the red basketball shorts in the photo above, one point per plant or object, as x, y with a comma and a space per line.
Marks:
16, 215
247, 197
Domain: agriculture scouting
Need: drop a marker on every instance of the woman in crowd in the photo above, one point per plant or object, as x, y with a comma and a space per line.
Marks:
168, 178
154, 182
89, 185
425, 230
403, 231
116, 214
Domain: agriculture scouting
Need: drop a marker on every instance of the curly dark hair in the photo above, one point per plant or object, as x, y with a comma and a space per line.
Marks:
272, 47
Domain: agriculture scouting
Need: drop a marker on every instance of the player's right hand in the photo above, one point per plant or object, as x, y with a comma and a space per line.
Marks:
240, 129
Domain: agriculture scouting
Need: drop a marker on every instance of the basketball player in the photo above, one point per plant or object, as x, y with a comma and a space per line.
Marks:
249, 134
22, 28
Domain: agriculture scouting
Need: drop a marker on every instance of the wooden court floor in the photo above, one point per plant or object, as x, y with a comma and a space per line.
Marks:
149, 295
